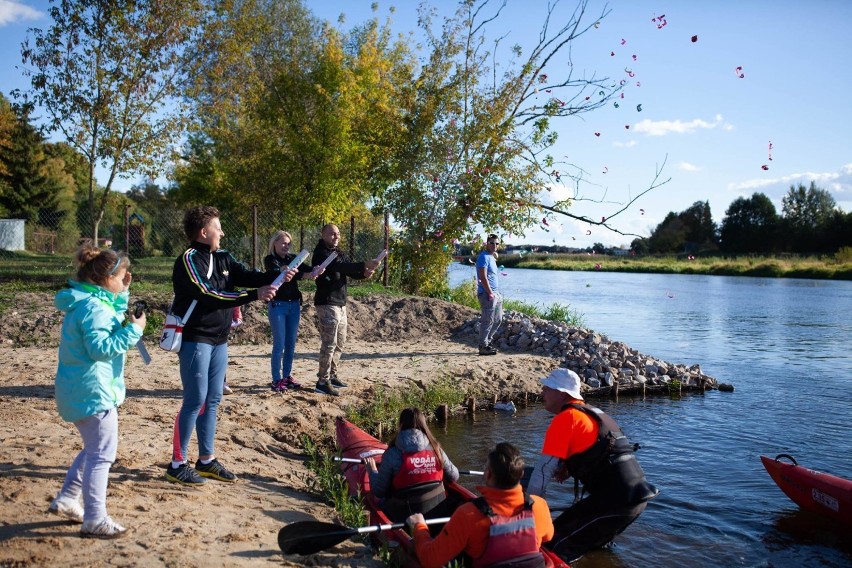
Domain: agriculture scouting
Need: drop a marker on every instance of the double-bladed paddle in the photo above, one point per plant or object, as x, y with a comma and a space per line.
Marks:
308, 537
291, 455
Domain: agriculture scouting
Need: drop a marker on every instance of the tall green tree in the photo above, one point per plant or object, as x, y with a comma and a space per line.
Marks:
479, 130
7, 126
806, 214
669, 236
807, 207
28, 191
109, 75
292, 111
750, 225
690, 230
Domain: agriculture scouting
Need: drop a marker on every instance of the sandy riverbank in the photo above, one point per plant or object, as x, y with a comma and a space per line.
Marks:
393, 341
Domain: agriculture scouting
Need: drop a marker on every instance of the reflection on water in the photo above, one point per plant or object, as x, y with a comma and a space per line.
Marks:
782, 343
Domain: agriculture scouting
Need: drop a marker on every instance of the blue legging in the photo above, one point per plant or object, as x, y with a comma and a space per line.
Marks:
284, 320
202, 373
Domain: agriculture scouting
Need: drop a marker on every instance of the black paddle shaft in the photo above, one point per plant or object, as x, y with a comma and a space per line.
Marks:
308, 537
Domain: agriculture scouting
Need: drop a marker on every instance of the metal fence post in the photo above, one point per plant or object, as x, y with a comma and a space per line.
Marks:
126, 229
352, 237
387, 245
254, 236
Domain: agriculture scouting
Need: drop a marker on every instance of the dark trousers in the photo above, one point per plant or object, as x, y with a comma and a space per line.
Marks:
591, 523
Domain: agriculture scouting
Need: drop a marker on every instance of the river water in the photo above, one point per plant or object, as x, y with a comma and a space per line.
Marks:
784, 344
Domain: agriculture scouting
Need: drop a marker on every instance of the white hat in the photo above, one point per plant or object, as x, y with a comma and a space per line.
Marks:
564, 380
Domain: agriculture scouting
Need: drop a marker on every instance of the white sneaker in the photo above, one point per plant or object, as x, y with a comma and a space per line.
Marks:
105, 528
67, 507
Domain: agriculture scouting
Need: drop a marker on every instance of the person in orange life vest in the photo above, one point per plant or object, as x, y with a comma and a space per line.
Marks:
412, 471
584, 442
479, 528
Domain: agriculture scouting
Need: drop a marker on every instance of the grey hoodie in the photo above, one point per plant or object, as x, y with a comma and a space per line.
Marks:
411, 440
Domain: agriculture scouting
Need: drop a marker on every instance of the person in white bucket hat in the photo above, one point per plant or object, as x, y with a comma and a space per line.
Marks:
585, 443
564, 380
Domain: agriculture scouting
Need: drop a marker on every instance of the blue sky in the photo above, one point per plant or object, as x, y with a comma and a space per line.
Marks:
712, 127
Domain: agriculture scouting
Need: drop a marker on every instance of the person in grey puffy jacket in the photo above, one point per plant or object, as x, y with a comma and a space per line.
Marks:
411, 447
90, 380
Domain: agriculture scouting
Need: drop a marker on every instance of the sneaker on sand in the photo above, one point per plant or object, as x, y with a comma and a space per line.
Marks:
324, 387
214, 470
184, 475
291, 383
67, 507
226, 389
104, 528
335, 382
279, 385
487, 350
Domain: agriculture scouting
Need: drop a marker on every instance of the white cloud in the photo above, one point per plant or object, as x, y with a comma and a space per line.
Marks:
687, 167
12, 12
835, 182
629, 144
555, 192
663, 127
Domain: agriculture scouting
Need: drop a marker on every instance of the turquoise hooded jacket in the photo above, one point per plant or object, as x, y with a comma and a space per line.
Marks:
90, 376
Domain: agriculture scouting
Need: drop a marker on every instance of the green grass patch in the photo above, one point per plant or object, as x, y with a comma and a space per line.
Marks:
465, 294
384, 405
554, 312
327, 481
830, 267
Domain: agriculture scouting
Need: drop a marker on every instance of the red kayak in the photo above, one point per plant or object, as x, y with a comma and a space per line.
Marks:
813, 490
356, 443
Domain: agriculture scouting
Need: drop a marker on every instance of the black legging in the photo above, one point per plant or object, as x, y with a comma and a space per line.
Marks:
590, 524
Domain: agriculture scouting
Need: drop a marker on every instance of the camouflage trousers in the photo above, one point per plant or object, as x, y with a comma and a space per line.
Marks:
332, 324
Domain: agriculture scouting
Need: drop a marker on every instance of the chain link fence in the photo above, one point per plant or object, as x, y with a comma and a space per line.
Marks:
158, 232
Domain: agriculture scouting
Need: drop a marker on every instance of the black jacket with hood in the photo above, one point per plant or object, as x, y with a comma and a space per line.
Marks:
331, 284
211, 278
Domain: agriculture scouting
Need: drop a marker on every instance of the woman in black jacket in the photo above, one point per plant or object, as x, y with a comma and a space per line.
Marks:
285, 311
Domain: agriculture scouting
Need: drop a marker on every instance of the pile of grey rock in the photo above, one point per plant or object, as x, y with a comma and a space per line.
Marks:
603, 364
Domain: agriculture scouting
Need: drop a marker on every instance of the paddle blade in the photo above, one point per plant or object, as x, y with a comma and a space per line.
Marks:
308, 537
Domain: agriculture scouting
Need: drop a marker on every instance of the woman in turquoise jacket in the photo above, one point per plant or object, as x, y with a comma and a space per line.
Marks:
90, 380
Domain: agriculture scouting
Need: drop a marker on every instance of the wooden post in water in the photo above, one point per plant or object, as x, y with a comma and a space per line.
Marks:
442, 413
526, 399
471, 405
494, 400
614, 390
643, 391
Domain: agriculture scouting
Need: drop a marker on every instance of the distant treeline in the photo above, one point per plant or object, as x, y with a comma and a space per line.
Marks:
810, 223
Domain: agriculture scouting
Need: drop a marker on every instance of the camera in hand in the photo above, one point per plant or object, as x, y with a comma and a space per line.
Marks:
138, 307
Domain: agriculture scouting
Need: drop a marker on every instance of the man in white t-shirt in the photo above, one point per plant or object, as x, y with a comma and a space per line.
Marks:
488, 295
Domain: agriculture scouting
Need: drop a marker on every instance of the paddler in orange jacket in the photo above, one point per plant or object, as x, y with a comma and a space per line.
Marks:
503, 503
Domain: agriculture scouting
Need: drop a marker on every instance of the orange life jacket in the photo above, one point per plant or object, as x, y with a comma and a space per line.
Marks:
512, 541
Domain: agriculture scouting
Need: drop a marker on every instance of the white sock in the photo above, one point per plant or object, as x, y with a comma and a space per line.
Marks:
176, 465
206, 462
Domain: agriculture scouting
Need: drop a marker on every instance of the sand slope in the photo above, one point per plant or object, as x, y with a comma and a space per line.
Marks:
394, 341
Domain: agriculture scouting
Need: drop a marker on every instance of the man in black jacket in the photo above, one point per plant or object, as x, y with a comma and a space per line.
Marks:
330, 303
205, 278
